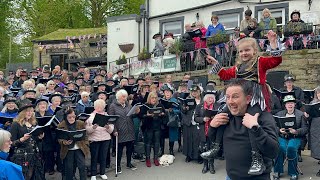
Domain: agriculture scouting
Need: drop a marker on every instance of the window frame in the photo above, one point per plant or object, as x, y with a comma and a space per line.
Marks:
238, 11
171, 20
274, 7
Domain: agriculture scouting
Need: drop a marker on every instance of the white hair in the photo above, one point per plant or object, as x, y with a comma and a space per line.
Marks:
209, 95
84, 93
99, 102
27, 82
4, 136
120, 93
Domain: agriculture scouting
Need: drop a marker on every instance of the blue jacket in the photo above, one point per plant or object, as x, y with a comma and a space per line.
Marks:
9, 170
81, 106
6, 114
211, 30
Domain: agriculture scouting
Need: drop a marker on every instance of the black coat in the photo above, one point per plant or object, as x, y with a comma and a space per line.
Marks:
48, 139
299, 95
236, 139
152, 123
300, 120
124, 125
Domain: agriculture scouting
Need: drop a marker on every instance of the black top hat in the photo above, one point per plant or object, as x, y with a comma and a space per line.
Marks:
140, 79
53, 95
74, 70
34, 70
289, 77
102, 84
28, 90
183, 83
42, 100
210, 90
10, 99
23, 73
24, 104
167, 87
56, 76
194, 88
110, 80
145, 84
288, 97
102, 92
99, 75
295, 12
248, 12
156, 35
119, 70
79, 77
82, 66
211, 82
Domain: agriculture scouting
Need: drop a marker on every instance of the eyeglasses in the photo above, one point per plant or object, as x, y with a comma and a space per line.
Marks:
51, 84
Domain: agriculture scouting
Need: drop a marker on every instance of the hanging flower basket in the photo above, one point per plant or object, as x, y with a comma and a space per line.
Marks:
126, 47
217, 39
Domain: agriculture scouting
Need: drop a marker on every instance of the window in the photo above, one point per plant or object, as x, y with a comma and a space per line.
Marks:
230, 21
172, 25
278, 14
230, 18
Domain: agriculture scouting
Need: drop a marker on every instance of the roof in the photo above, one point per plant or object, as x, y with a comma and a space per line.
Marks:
61, 34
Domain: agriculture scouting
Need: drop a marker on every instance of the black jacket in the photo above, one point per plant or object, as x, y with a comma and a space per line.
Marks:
257, 32
236, 139
299, 95
301, 123
48, 139
151, 123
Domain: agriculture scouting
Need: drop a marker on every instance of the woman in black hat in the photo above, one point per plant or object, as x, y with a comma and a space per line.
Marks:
191, 130
182, 92
295, 17
41, 110
55, 101
290, 87
174, 112
9, 110
27, 147
201, 117
140, 97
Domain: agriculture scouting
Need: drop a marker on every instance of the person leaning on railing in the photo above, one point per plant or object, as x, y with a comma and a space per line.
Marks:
267, 22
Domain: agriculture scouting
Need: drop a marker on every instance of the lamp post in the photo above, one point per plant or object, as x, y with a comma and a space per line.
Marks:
40, 49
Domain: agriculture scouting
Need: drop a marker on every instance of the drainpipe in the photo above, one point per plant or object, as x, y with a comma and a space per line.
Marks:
139, 20
147, 23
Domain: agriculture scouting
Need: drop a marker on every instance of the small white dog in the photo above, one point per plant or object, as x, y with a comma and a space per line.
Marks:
166, 160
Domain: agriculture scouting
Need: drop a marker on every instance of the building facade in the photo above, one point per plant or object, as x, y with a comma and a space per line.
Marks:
171, 16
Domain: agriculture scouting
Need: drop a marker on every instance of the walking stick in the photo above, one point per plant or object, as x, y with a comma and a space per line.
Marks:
116, 156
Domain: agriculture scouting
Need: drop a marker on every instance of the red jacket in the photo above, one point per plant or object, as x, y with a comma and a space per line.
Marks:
260, 68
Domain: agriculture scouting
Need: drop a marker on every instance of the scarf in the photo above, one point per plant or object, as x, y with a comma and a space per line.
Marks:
71, 127
266, 22
207, 124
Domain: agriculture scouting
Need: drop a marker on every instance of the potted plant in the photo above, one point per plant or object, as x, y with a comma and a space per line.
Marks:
296, 28
122, 60
177, 47
144, 55
218, 38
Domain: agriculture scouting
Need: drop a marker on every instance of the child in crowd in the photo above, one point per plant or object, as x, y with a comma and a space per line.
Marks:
250, 66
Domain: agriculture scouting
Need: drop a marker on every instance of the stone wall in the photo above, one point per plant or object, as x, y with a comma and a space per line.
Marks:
303, 64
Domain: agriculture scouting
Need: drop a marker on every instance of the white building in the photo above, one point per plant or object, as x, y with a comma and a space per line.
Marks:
172, 15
